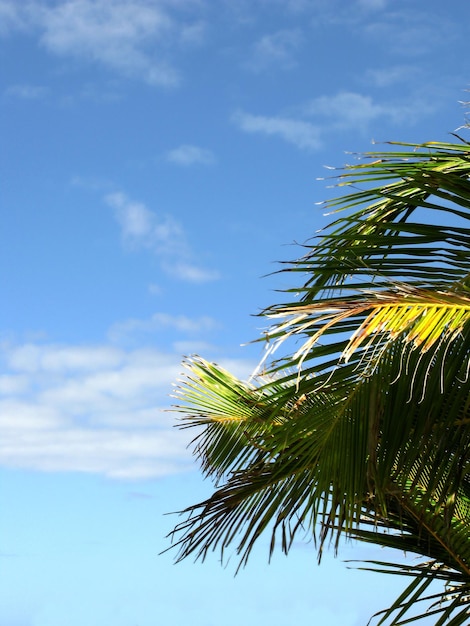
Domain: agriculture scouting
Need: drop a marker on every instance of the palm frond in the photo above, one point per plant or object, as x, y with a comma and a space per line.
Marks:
363, 428
422, 318
379, 240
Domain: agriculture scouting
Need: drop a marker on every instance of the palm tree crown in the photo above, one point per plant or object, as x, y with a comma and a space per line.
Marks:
362, 427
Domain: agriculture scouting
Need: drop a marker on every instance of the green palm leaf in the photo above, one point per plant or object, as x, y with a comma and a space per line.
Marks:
362, 426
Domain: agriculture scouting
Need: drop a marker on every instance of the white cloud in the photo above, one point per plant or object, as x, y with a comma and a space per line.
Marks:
142, 228
130, 37
106, 418
275, 50
190, 155
33, 358
12, 383
115, 33
95, 409
328, 114
354, 110
302, 134
160, 322
192, 273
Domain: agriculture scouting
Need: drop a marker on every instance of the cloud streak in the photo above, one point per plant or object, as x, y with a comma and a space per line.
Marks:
26, 92
160, 322
190, 155
275, 50
300, 133
164, 236
310, 124
351, 110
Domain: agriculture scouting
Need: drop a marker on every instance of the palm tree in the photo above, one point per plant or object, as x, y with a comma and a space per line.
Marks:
361, 428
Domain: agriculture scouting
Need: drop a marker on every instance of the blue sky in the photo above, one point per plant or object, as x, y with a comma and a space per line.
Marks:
158, 158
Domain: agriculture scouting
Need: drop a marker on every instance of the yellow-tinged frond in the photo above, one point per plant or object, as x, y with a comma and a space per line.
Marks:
229, 418
420, 324
421, 318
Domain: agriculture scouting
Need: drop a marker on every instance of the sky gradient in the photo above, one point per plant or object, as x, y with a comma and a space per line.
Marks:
159, 158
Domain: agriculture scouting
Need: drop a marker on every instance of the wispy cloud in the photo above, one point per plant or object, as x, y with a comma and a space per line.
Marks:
191, 273
14, 16
95, 409
31, 358
384, 77
190, 155
113, 32
354, 110
300, 133
310, 123
141, 227
164, 236
410, 31
275, 50
130, 37
26, 92
347, 108
161, 322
